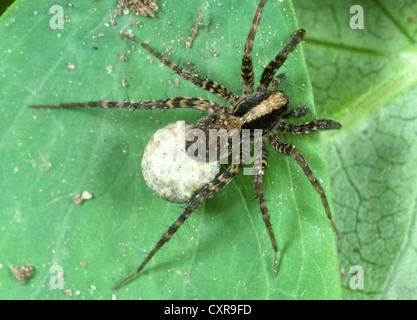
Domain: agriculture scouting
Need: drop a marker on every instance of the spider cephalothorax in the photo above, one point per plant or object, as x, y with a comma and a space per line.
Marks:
264, 108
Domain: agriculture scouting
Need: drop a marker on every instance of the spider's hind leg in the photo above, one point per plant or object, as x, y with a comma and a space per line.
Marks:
207, 192
290, 150
258, 180
204, 83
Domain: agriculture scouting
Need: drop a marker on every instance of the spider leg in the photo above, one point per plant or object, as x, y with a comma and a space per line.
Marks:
204, 83
290, 150
277, 82
262, 203
170, 103
278, 61
307, 127
296, 113
207, 192
247, 66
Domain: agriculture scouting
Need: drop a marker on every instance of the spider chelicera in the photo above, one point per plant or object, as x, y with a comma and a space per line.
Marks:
263, 108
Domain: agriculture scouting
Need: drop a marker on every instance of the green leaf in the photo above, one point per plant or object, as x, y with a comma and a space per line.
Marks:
366, 79
49, 157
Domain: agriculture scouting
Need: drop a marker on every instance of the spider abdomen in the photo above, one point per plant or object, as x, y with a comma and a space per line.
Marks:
214, 136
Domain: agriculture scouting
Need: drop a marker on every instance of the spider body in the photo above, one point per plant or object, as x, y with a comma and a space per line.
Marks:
264, 108
256, 111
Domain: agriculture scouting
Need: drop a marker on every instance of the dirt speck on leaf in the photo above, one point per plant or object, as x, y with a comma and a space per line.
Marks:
194, 30
79, 199
22, 273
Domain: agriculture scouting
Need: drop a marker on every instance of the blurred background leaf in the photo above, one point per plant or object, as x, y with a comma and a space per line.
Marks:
366, 79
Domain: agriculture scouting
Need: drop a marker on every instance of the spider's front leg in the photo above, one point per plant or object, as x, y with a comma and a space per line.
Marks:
290, 150
247, 66
308, 127
258, 179
207, 192
272, 68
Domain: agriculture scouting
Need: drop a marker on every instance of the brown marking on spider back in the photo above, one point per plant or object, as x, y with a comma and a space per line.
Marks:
273, 102
221, 132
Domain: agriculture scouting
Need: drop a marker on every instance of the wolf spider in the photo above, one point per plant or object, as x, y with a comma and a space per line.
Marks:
264, 108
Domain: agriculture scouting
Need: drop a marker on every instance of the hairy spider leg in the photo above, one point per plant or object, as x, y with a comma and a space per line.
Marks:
247, 66
298, 112
308, 127
290, 150
204, 83
258, 180
272, 68
207, 192
277, 82
170, 103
